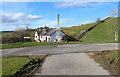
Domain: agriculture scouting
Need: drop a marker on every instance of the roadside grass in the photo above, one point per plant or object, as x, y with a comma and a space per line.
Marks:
28, 44
108, 59
11, 65
103, 32
17, 66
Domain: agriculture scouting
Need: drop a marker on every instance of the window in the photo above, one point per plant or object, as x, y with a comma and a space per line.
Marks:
46, 38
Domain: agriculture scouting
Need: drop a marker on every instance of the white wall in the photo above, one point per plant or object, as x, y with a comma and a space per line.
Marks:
42, 38
36, 38
54, 35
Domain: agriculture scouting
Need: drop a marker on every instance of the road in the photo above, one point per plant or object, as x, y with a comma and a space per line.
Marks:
65, 59
58, 49
71, 64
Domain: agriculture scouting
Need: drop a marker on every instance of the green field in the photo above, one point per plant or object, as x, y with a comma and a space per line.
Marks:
8, 34
103, 32
27, 44
11, 65
21, 65
73, 31
108, 59
12, 34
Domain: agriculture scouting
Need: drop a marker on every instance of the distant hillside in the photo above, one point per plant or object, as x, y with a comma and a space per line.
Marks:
6, 31
73, 31
103, 32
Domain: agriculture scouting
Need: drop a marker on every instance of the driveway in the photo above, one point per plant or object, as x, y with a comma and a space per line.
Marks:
71, 64
58, 49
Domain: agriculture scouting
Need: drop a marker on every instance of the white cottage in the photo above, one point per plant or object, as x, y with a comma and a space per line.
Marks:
51, 35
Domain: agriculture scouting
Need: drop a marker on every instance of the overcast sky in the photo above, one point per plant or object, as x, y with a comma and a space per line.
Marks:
16, 14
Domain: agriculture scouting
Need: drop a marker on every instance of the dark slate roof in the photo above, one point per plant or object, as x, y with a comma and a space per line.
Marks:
41, 32
49, 33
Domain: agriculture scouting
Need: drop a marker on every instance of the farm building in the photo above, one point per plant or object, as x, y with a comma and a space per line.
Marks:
49, 35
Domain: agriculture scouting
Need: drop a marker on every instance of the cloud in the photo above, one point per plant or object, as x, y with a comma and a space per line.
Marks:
83, 23
76, 4
19, 27
86, 22
19, 17
34, 17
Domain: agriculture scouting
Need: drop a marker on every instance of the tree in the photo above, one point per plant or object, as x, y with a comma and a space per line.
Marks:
46, 27
22, 33
113, 13
40, 28
98, 20
69, 38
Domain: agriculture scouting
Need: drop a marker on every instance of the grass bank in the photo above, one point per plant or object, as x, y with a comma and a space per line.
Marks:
28, 44
74, 30
17, 66
103, 32
108, 59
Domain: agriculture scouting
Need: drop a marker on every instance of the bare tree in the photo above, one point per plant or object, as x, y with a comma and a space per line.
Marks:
113, 13
22, 33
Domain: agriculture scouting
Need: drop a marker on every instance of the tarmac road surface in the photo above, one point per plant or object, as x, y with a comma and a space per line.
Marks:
71, 64
58, 49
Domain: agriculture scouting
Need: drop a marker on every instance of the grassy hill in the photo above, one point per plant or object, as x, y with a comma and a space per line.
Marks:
103, 32
74, 30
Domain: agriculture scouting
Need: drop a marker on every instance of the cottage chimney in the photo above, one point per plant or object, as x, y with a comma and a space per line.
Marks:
46, 30
58, 26
58, 34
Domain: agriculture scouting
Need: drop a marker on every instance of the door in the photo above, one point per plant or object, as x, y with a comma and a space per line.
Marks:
46, 38
49, 39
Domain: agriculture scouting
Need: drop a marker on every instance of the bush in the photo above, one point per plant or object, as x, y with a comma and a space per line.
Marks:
11, 39
17, 37
69, 38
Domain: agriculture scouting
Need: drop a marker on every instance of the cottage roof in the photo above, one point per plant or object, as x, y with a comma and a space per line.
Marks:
41, 32
49, 32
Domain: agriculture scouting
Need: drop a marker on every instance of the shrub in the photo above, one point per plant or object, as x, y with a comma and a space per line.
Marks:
69, 38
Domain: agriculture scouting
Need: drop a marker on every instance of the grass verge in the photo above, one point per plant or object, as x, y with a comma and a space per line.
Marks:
18, 66
108, 59
27, 44
103, 32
